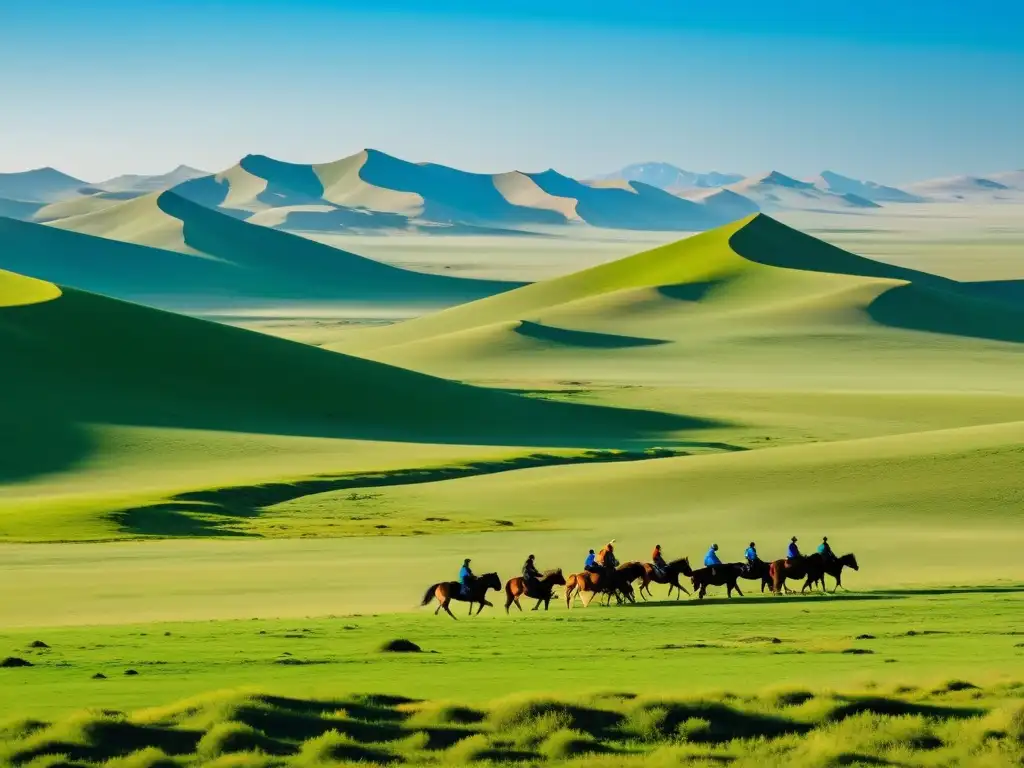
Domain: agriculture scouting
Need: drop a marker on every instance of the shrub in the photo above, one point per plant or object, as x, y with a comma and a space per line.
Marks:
228, 737
566, 743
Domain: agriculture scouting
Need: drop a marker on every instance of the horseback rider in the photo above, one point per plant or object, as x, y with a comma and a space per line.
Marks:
826, 551
660, 566
751, 557
591, 565
606, 559
792, 552
466, 577
530, 574
711, 559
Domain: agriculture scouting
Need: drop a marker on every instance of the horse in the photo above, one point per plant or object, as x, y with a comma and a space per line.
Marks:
446, 591
808, 567
724, 575
669, 575
543, 589
833, 568
758, 570
593, 583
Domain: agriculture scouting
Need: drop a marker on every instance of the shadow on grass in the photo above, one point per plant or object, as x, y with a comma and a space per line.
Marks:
211, 512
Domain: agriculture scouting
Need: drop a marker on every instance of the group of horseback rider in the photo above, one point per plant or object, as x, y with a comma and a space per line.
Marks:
604, 561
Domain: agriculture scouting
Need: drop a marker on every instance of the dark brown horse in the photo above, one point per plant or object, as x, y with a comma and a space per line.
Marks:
670, 576
540, 590
446, 591
833, 568
808, 568
758, 571
717, 576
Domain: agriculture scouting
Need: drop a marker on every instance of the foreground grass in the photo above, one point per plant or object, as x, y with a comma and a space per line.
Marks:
956, 723
876, 638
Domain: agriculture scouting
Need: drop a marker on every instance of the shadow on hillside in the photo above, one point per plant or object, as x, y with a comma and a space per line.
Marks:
211, 512
949, 312
586, 339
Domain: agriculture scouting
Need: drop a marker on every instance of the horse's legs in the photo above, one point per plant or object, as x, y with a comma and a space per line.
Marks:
447, 609
736, 586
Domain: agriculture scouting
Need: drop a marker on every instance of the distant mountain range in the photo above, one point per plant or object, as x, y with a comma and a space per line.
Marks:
667, 176
372, 192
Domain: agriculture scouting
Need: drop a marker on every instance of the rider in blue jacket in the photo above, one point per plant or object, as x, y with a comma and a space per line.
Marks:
825, 550
465, 576
793, 551
711, 558
751, 554
591, 563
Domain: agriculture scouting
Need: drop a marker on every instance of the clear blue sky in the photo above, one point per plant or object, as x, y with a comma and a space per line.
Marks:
893, 90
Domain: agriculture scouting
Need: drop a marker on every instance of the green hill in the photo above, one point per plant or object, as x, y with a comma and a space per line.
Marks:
754, 298
73, 359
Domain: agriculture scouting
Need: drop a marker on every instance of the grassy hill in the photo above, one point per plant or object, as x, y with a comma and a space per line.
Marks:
754, 298
86, 376
165, 249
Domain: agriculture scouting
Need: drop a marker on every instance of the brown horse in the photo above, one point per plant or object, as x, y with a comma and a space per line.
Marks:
541, 590
725, 575
670, 576
808, 568
588, 584
833, 568
446, 591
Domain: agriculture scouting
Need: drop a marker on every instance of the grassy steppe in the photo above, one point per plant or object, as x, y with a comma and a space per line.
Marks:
907, 676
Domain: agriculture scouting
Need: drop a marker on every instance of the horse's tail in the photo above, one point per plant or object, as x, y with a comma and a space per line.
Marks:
777, 578
430, 594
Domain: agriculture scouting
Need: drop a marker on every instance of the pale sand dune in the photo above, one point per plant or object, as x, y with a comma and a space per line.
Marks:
343, 185
140, 221
520, 189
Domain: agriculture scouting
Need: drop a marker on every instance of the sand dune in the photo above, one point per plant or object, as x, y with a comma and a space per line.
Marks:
165, 249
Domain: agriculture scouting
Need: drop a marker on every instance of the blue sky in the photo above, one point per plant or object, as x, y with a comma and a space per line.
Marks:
895, 91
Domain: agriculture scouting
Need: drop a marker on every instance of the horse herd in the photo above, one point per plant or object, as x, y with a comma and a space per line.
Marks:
618, 582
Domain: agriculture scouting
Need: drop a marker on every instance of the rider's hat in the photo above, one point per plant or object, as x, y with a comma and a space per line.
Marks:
466, 561
753, 544
714, 546
657, 546
530, 557
794, 538
824, 538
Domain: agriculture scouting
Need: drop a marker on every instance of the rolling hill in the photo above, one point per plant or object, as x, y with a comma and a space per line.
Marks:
753, 298
166, 250
670, 177
140, 184
776, 191
42, 185
830, 181
74, 358
1005, 187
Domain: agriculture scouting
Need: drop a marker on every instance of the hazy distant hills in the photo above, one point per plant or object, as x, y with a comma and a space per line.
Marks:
372, 192
671, 177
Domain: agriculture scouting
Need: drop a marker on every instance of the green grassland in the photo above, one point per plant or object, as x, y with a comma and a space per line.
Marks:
194, 501
775, 677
